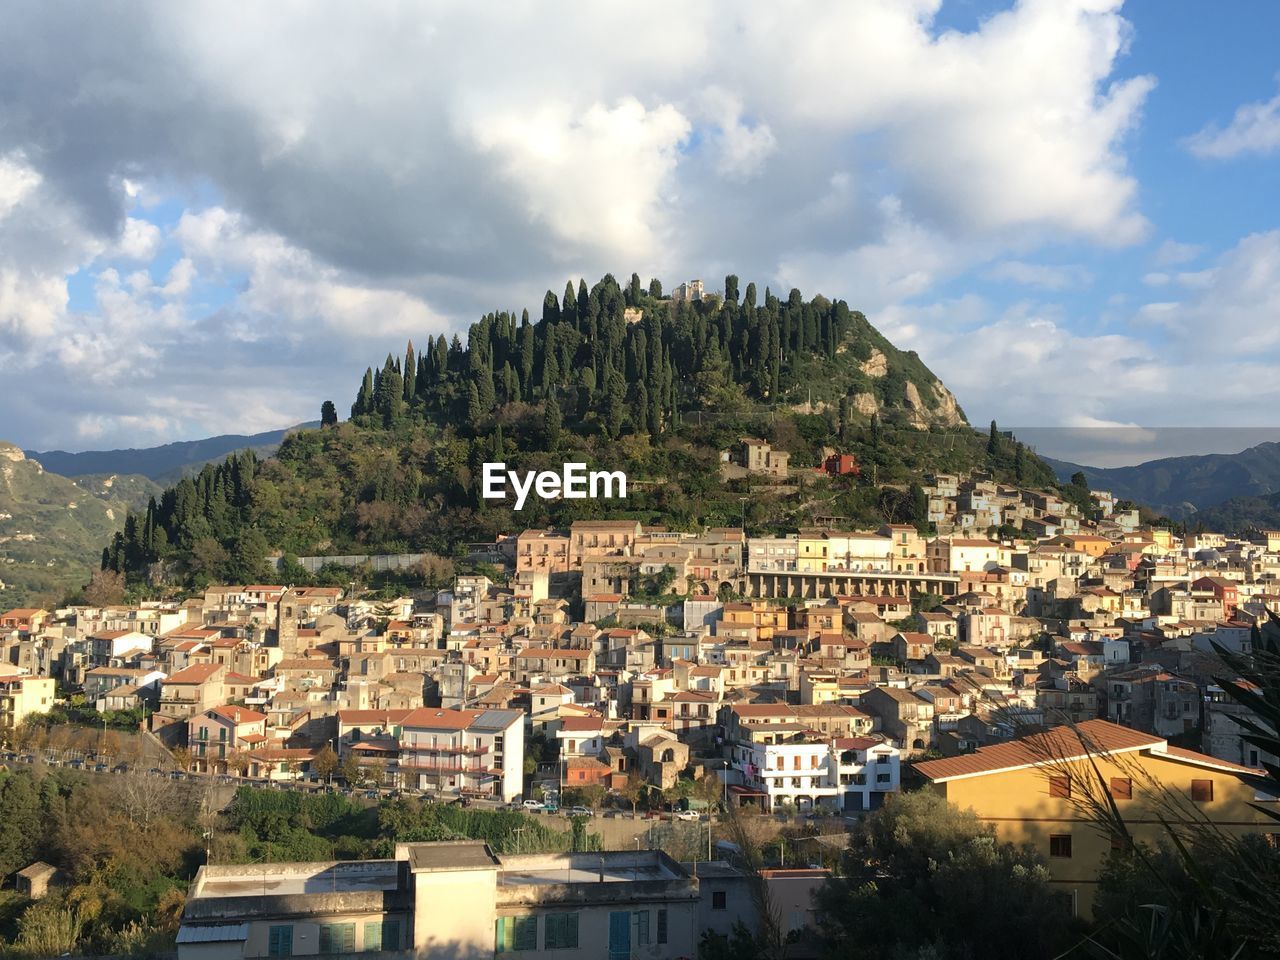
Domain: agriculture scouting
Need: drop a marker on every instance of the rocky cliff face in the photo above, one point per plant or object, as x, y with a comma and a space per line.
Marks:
931, 406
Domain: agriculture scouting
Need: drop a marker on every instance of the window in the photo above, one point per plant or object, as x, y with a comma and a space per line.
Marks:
1060, 786
561, 931
381, 935
337, 938
1060, 846
718, 900
515, 933
662, 925
1201, 791
1122, 788
280, 941
641, 918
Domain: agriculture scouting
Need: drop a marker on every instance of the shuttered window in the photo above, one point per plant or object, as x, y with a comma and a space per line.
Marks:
560, 931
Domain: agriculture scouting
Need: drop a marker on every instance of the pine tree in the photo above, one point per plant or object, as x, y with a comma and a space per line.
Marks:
328, 414
993, 440
655, 288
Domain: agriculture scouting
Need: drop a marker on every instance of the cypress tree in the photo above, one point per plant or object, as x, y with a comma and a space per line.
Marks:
552, 421
410, 373
364, 399
475, 413
569, 306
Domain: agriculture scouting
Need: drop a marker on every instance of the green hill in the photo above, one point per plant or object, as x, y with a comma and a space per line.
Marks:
620, 379
1239, 515
52, 530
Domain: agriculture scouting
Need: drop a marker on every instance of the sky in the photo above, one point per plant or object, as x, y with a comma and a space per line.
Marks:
213, 216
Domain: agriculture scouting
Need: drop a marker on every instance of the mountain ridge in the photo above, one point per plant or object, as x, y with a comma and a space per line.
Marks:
163, 463
1182, 486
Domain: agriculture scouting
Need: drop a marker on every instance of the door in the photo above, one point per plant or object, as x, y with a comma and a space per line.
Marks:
620, 935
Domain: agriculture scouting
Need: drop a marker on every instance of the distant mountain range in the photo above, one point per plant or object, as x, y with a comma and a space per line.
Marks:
1179, 487
165, 464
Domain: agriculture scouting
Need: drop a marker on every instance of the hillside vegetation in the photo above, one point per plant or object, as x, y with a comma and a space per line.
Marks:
658, 398
52, 529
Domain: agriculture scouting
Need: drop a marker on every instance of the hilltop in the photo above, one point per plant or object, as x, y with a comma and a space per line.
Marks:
620, 378
52, 529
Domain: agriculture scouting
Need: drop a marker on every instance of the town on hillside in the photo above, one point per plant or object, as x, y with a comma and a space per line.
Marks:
614, 667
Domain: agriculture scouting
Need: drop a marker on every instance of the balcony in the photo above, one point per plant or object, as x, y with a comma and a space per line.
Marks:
476, 750
420, 765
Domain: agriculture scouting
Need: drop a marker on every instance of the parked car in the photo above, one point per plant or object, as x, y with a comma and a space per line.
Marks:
581, 811
687, 815
534, 806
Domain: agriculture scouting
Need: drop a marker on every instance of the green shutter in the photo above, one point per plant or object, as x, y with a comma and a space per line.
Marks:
501, 935
662, 924
372, 936
338, 938
526, 935
280, 941
561, 931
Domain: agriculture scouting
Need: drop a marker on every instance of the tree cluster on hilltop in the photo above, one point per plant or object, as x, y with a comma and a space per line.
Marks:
612, 376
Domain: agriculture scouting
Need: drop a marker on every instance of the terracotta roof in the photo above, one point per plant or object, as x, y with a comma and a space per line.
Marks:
372, 716
239, 714
1058, 744
1180, 753
581, 724
197, 673
438, 719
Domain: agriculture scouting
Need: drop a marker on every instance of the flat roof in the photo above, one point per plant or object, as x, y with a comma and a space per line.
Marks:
290, 879
449, 855
610, 867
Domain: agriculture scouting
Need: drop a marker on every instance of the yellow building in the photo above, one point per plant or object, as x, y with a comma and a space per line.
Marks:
811, 551
765, 618
22, 696
1040, 790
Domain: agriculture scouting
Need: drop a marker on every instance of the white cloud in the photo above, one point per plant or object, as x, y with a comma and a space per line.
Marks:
140, 240
1044, 275
493, 151
1233, 306
287, 290
1172, 253
1255, 128
596, 177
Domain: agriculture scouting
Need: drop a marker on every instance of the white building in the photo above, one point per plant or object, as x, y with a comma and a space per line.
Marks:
479, 752
868, 770
452, 899
778, 761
